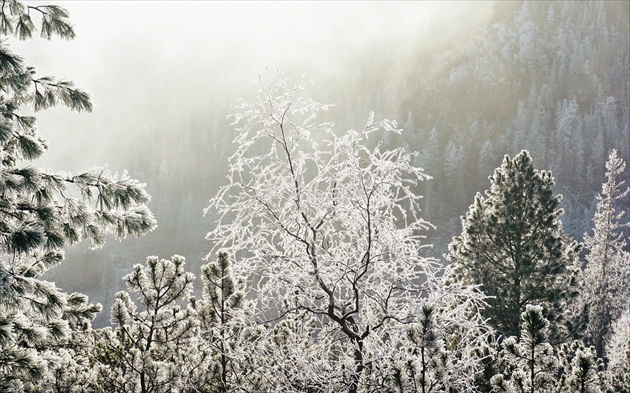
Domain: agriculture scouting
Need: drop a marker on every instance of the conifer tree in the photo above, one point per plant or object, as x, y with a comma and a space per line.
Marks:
221, 313
607, 271
532, 365
145, 350
513, 246
528, 364
581, 370
618, 353
39, 213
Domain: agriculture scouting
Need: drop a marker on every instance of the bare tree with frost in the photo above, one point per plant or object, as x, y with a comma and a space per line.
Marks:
325, 225
42, 211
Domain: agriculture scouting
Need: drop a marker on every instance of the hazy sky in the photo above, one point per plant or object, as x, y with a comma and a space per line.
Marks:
141, 60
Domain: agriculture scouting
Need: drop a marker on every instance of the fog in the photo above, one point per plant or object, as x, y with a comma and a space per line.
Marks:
151, 66
165, 72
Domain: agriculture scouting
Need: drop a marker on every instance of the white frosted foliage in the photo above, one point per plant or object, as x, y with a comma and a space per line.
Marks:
322, 223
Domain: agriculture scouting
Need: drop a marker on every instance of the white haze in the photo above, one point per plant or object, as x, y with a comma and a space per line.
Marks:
150, 65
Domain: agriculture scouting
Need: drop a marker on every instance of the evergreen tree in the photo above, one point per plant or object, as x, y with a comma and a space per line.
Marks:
39, 215
438, 353
618, 353
513, 246
221, 313
146, 349
528, 364
581, 371
607, 271
533, 365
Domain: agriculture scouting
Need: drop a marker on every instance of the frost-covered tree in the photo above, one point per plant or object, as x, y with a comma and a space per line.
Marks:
68, 367
607, 271
42, 211
513, 246
325, 226
288, 359
224, 335
618, 354
439, 354
532, 365
581, 371
145, 349
527, 364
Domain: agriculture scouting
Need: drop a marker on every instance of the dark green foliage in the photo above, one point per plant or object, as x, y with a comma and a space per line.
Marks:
513, 245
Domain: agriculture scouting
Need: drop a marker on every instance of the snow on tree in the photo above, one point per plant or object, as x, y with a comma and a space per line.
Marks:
607, 271
39, 214
513, 246
225, 335
145, 349
531, 364
580, 368
618, 353
289, 360
528, 364
323, 225
440, 354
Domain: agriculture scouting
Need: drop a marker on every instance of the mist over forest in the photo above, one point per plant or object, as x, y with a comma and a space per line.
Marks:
467, 82
549, 77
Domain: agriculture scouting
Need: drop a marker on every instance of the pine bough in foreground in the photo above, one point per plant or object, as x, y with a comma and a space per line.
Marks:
39, 215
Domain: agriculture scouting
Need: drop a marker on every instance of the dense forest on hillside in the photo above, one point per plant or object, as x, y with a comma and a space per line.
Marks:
515, 139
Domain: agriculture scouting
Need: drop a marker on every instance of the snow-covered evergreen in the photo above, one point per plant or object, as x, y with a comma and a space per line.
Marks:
42, 211
532, 364
147, 347
513, 246
618, 353
606, 292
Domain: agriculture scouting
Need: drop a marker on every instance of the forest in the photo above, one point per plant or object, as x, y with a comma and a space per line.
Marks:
452, 220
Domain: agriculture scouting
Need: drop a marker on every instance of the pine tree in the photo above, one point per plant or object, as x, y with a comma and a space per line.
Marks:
607, 271
39, 214
581, 370
531, 364
147, 347
221, 313
528, 364
432, 358
513, 246
618, 352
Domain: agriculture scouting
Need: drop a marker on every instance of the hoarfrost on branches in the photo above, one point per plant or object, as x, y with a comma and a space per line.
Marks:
323, 224
607, 271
